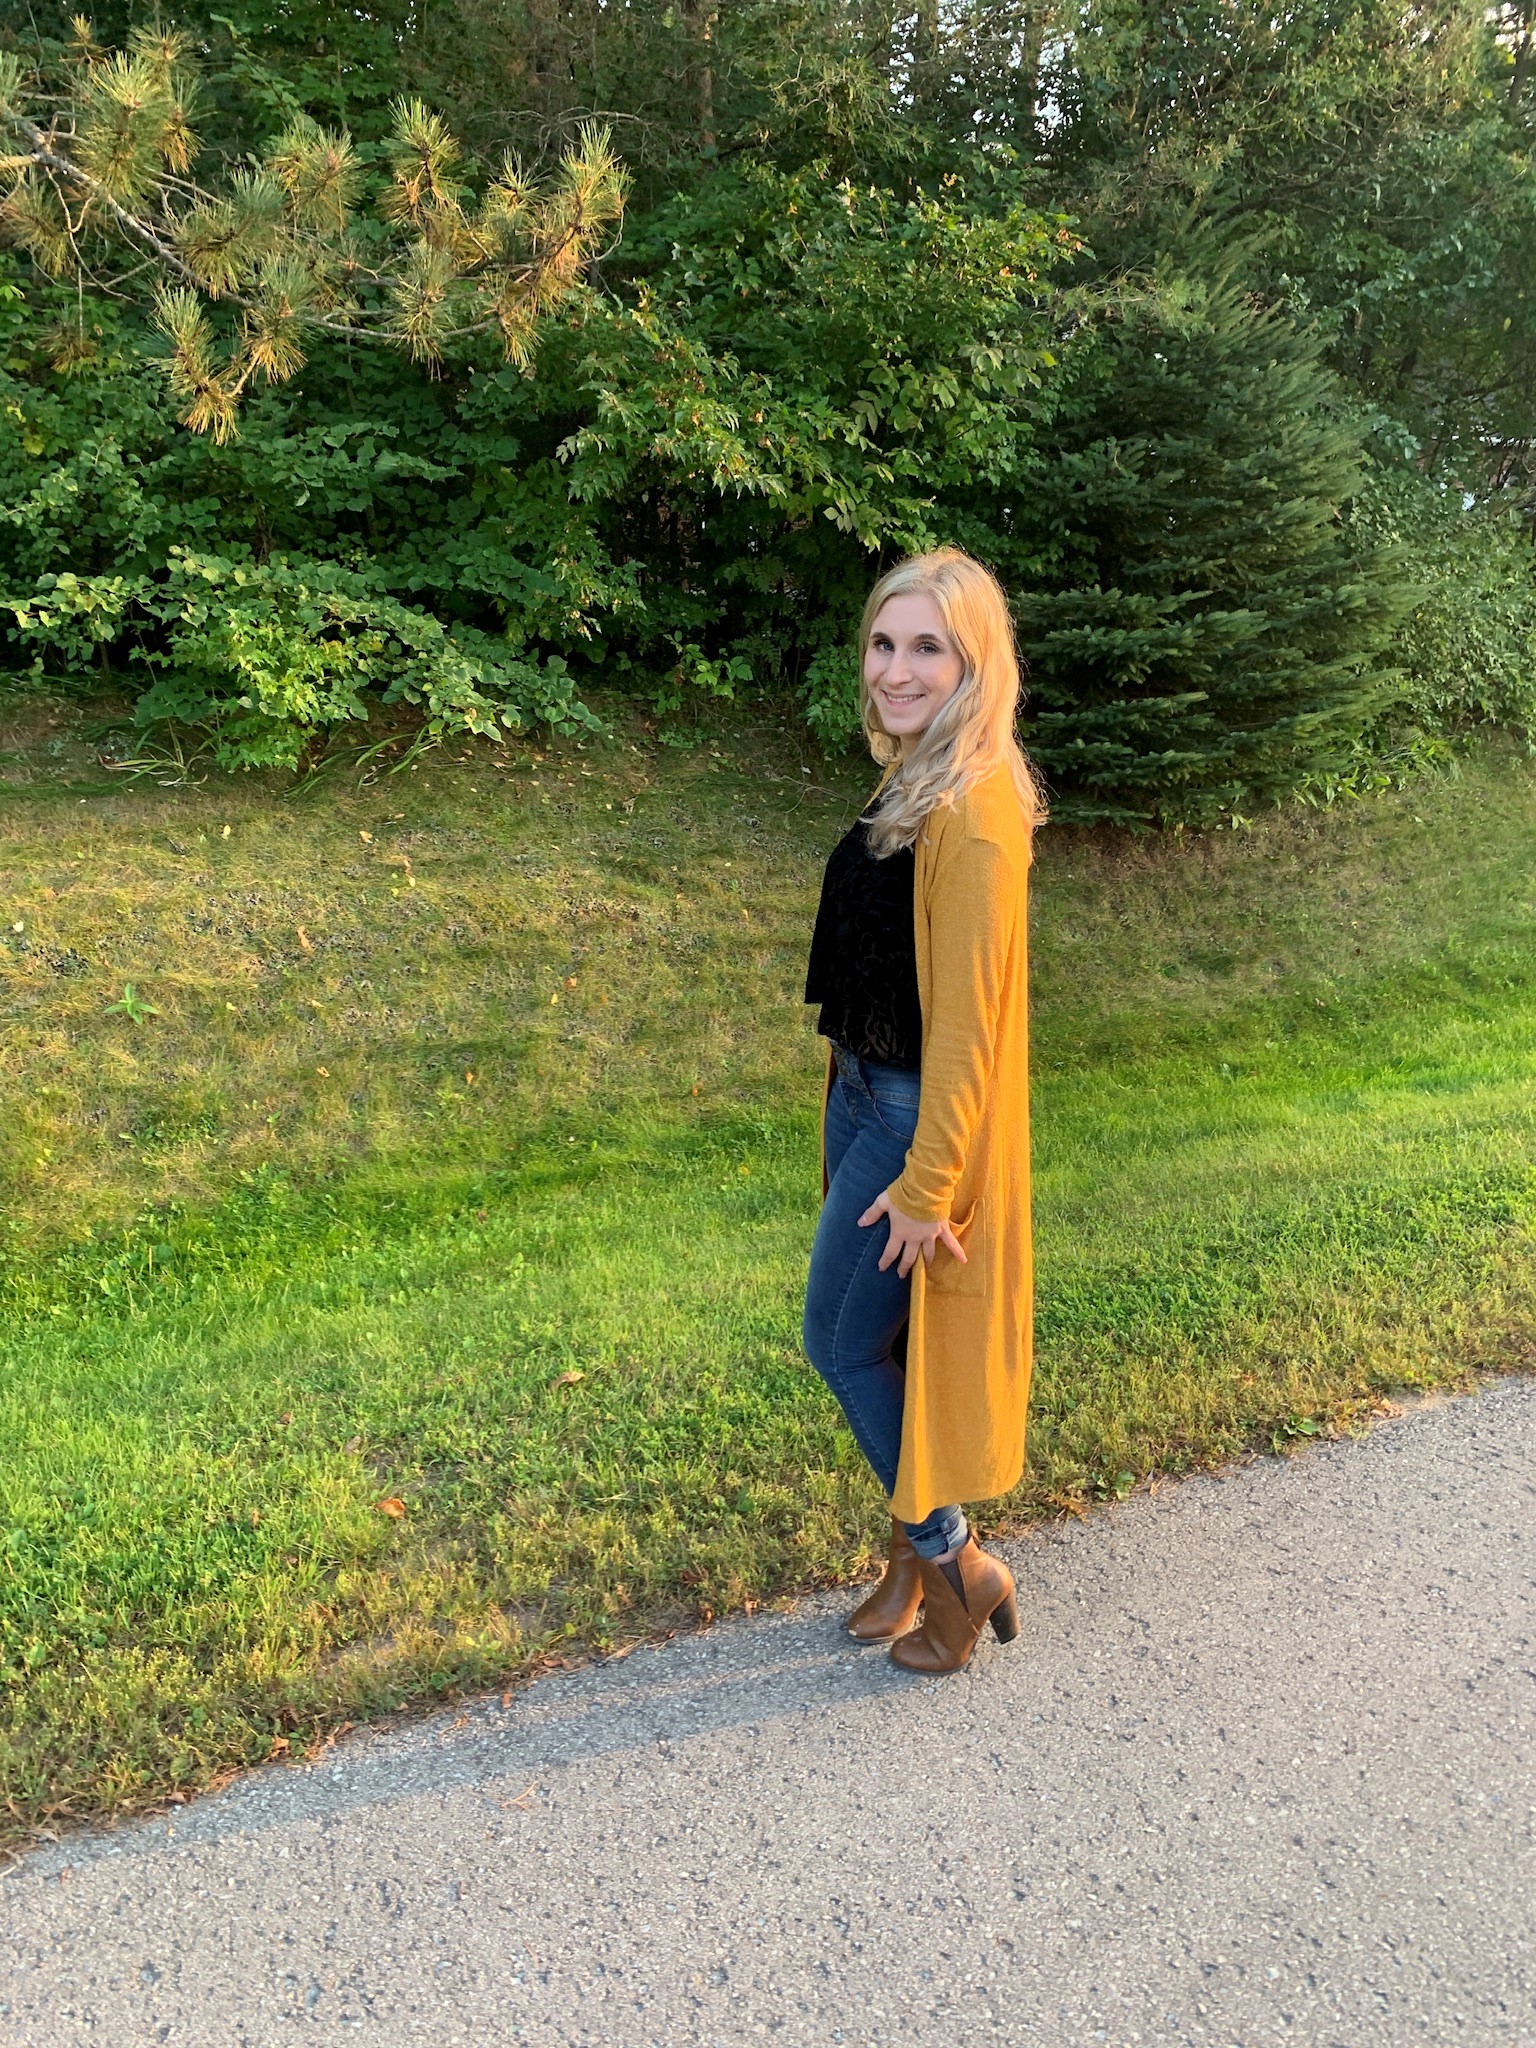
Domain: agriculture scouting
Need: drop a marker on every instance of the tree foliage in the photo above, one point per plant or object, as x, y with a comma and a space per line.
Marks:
1211, 331
1203, 630
99, 190
1364, 164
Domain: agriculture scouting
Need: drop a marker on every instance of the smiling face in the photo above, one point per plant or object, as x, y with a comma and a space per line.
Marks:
911, 666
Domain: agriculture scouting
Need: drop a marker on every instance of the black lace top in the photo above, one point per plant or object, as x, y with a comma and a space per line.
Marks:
863, 968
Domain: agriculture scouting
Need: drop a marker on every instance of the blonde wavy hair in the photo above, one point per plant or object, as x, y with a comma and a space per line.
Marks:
974, 732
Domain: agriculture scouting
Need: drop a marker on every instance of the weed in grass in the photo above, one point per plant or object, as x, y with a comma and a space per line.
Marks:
132, 1006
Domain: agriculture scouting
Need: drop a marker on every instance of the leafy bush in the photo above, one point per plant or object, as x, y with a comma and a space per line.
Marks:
812, 375
689, 493
267, 655
692, 493
1467, 650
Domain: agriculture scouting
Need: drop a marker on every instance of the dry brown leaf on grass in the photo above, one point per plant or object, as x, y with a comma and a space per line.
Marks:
394, 1507
325, 1739
303, 938
1068, 1504
567, 1379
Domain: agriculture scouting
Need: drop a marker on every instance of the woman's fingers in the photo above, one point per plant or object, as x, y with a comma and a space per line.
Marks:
916, 1248
906, 1250
898, 1251
878, 1207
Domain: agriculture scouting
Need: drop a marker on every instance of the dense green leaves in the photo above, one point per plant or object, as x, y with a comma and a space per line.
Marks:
1467, 652
1199, 624
267, 655
813, 374
1366, 163
1211, 331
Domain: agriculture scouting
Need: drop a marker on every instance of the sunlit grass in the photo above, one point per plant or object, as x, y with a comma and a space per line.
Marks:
1283, 1121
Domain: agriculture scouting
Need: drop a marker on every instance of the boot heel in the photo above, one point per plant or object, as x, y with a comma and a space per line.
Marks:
1005, 1618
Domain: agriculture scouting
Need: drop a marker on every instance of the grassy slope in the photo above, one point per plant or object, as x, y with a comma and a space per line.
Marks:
1284, 1111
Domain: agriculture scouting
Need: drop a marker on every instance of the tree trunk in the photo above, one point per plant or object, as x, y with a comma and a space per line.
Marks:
927, 69
704, 17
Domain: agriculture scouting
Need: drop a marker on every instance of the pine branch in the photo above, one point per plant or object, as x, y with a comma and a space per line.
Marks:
105, 169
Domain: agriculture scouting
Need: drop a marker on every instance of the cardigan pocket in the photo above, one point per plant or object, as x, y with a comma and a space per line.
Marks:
946, 1274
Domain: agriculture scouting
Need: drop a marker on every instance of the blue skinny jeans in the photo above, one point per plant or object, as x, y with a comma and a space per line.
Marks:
855, 1314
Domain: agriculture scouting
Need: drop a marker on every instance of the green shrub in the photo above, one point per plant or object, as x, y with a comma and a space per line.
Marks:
267, 656
1466, 652
691, 495
835, 330
813, 377
692, 491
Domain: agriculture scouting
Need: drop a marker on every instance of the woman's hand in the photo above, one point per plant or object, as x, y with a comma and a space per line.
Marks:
909, 1237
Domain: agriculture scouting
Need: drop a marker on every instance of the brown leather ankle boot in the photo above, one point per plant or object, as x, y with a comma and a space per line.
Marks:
951, 1626
892, 1607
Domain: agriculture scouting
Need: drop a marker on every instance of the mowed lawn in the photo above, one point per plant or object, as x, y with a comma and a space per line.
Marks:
404, 1288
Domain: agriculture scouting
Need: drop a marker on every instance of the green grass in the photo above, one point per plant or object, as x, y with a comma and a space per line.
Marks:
1284, 1110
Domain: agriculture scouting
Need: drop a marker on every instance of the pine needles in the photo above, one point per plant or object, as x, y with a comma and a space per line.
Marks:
245, 270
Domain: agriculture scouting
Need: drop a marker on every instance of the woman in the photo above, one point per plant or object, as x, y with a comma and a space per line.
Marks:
917, 1309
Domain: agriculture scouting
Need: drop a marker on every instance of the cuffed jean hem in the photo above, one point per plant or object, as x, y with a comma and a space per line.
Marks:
944, 1530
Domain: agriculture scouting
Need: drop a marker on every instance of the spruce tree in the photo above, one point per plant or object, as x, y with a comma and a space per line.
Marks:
1199, 632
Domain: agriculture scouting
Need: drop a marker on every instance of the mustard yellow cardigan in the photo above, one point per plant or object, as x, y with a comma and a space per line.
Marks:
969, 1348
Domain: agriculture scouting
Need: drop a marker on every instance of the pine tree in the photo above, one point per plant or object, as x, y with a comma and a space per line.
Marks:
1199, 633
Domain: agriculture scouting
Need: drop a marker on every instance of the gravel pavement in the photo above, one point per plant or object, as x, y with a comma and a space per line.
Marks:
1259, 1769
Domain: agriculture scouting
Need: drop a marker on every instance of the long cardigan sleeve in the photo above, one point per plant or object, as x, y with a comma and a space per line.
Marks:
973, 902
